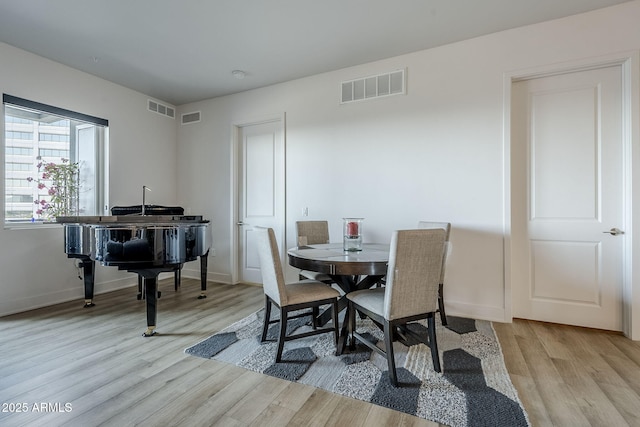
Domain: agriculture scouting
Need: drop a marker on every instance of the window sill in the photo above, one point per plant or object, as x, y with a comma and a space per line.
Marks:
30, 225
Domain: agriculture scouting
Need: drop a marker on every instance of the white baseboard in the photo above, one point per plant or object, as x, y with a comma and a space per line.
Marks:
194, 273
492, 314
20, 305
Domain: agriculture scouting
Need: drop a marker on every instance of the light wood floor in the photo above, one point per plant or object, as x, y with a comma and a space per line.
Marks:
96, 361
570, 376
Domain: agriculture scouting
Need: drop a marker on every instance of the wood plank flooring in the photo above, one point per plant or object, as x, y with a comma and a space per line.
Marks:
570, 376
96, 362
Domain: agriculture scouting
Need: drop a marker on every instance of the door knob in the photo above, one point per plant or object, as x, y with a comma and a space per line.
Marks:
239, 223
614, 231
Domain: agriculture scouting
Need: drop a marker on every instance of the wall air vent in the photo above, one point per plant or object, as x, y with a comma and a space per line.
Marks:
380, 85
162, 109
188, 118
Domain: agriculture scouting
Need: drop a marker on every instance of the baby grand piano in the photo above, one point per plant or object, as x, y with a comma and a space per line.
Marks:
158, 241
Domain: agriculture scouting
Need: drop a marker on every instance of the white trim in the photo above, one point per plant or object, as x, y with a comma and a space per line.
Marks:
476, 311
193, 272
631, 292
24, 225
506, 195
630, 64
19, 305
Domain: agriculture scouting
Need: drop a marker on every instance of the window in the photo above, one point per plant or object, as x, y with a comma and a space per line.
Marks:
18, 151
15, 166
48, 152
37, 134
53, 137
19, 135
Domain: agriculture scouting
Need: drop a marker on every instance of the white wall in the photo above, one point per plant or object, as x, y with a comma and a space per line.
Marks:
34, 270
434, 154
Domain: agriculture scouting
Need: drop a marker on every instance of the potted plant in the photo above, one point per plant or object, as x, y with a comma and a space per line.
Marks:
62, 183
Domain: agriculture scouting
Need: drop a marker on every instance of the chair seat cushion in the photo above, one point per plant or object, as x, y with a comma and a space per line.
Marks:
369, 299
308, 291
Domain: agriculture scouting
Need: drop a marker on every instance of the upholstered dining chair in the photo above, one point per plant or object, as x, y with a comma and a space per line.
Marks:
290, 297
446, 226
313, 233
410, 293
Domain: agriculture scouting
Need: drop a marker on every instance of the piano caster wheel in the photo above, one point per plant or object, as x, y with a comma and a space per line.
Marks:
149, 332
202, 296
88, 303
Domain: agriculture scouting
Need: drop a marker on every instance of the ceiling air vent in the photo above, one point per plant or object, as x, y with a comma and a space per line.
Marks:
188, 118
371, 87
162, 109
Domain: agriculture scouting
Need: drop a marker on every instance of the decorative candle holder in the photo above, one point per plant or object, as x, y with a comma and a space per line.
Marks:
352, 234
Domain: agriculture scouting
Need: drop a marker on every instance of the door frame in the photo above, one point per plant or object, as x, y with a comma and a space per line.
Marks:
234, 180
629, 63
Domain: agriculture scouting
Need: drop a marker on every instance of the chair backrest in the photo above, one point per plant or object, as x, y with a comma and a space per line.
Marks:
446, 226
413, 275
270, 265
312, 232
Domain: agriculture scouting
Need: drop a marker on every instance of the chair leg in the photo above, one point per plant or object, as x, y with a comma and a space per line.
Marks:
344, 333
443, 315
283, 334
388, 340
336, 325
315, 312
433, 342
352, 325
267, 317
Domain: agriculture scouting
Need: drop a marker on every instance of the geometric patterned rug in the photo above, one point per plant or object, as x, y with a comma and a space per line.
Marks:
473, 389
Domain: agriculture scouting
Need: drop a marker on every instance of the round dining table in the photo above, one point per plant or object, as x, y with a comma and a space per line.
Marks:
350, 270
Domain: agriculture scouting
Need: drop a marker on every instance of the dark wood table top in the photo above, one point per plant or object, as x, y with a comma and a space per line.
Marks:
331, 259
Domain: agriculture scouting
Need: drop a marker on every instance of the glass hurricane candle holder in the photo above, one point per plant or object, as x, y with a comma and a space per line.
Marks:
352, 234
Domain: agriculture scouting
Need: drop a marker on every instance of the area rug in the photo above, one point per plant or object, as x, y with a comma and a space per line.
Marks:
473, 388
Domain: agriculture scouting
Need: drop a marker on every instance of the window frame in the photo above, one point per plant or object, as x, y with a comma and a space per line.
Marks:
101, 154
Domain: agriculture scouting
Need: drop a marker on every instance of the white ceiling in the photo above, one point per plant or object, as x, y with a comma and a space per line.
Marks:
180, 51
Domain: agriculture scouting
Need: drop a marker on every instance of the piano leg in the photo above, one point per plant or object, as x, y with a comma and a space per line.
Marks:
140, 288
150, 286
176, 278
88, 268
203, 275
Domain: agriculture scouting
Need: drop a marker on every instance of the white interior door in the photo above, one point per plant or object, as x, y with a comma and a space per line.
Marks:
261, 191
567, 192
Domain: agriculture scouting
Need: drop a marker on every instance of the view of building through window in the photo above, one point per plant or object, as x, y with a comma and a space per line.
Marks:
39, 144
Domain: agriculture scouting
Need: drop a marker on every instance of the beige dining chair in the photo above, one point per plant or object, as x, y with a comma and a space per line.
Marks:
446, 226
410, 294
313, 233
290, 297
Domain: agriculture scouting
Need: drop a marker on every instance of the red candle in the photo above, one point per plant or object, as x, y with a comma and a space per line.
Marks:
352, 229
